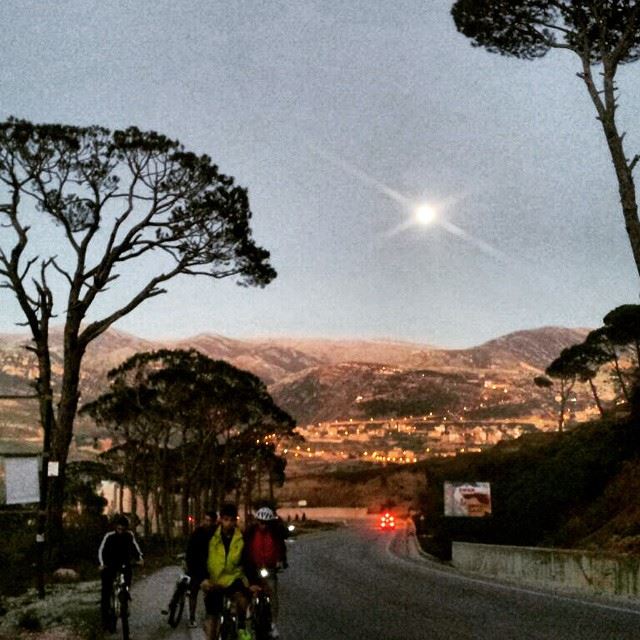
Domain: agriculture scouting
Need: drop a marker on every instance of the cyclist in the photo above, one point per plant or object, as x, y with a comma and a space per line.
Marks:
196, 559
264, 544
118, 548
226, 575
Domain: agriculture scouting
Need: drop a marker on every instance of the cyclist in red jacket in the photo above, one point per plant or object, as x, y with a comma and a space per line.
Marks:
264, 547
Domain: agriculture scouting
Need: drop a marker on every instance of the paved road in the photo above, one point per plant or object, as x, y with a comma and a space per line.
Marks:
357, 583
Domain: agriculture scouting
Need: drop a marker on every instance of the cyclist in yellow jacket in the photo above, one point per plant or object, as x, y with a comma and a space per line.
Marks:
226, 574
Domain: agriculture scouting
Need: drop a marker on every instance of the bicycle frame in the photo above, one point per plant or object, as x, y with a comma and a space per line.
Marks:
260, 606
120, 598
228, 620
176, 604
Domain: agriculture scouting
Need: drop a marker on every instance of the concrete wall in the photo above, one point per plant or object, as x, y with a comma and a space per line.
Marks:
324, 513
576, 570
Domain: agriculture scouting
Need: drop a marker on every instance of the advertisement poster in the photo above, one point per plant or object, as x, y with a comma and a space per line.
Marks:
467, 499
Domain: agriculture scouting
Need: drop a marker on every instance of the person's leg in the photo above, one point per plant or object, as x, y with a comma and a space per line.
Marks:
213, 608
194, 587
272, 586
211, 627
241, 600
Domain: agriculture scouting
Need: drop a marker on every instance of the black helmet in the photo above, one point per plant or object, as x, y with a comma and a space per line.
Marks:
229, 509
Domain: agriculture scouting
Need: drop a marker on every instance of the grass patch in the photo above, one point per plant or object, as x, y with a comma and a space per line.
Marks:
67, 611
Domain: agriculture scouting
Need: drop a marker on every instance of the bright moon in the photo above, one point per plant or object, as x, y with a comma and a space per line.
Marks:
425, 214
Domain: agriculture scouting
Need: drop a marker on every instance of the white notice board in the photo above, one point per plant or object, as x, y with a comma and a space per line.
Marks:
21, 480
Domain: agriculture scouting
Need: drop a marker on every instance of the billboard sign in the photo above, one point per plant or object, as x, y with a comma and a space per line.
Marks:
21, 479
467, 499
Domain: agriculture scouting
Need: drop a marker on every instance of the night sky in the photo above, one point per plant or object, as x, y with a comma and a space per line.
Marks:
341, 118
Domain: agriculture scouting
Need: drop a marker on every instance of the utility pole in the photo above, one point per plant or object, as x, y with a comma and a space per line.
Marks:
41, 542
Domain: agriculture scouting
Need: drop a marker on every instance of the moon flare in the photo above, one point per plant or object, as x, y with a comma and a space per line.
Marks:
425, 214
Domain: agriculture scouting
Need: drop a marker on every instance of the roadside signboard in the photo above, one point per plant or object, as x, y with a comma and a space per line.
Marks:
467, 499
19, 480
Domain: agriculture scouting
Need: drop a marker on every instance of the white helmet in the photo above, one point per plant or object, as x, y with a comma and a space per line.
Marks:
266, 514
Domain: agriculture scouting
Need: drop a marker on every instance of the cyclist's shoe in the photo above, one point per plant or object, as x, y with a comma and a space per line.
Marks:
274, 631
192, 624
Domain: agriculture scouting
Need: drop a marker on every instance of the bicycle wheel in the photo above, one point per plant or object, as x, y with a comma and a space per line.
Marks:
114, 610
124, 613
261, 618
176, 606
227, 629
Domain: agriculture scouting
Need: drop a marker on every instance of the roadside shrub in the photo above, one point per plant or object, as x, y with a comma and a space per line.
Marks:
30, 621
17, 552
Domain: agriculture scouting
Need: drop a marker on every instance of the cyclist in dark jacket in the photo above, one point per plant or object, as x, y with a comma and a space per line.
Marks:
196, 559
119, 548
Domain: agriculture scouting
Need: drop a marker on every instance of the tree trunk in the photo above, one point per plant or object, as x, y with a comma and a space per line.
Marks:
566, 386
258, 482
134, 506
184, 500
620, 378
63, 431
145, 507
594, 391
167, 508
271, 485
197, 505
45, 527
605, 104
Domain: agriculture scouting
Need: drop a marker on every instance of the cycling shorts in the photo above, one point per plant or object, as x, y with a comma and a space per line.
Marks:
213, 599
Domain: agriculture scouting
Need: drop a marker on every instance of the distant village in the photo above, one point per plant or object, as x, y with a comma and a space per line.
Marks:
402, 440
408, 439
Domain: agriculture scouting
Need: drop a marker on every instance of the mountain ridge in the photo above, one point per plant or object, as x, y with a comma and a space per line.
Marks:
322, 379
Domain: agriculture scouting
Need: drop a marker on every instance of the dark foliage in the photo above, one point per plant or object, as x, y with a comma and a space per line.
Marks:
539, 483
17, 551
438, 400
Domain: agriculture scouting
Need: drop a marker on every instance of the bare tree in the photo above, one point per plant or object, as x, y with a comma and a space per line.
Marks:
116, 199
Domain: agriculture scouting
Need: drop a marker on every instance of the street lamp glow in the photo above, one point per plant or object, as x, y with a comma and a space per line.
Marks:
425, 214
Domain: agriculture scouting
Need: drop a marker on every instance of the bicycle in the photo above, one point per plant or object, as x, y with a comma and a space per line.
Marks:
119, 603
175, 607
260, 608
228, 620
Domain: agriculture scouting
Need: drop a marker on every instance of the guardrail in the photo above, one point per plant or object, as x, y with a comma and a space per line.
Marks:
585, 571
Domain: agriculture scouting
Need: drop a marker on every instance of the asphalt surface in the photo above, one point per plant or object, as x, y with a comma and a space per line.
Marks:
358, 583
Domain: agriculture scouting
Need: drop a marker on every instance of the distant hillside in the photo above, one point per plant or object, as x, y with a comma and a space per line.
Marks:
333, 351
315, 379
363, 390
533, 348
269, 360
429, 380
